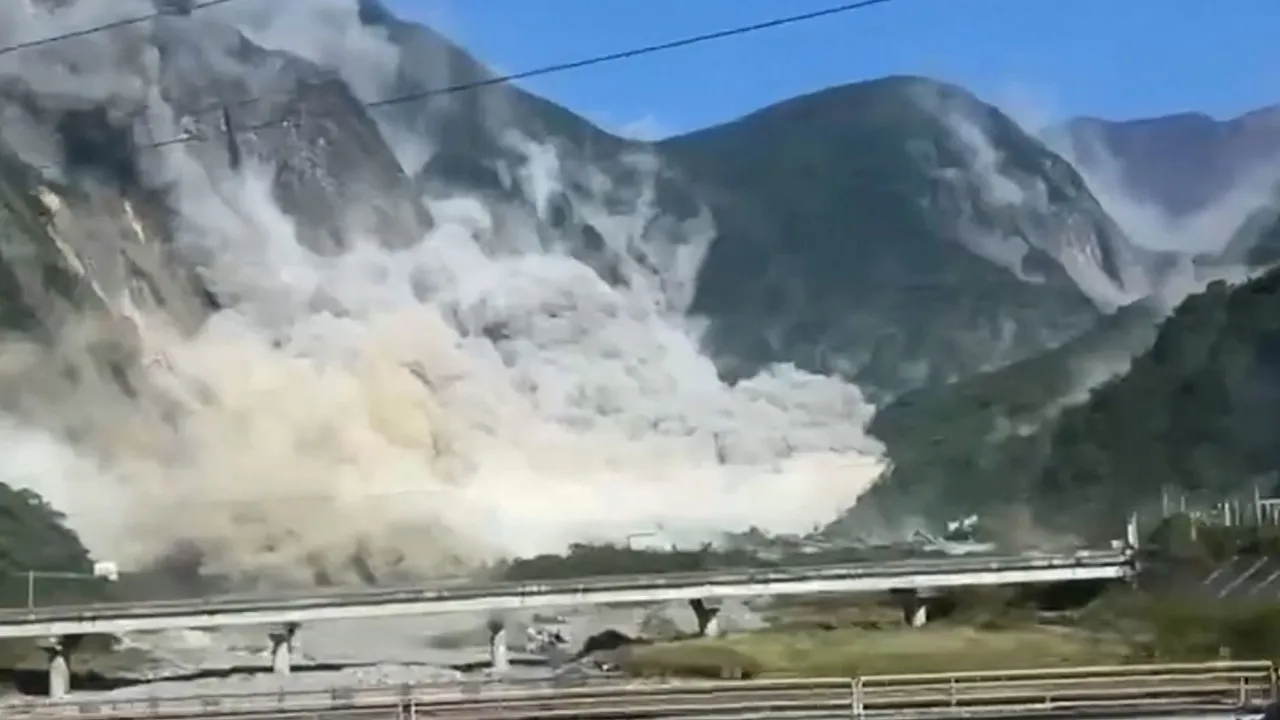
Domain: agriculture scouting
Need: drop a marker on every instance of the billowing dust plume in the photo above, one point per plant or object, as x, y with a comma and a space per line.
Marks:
423, 410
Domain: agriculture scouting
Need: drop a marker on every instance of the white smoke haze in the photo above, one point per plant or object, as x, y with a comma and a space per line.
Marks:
1147, 225
428, 409
82, 71
1205, 231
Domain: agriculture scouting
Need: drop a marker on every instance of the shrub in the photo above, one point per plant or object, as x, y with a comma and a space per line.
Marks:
1241, 630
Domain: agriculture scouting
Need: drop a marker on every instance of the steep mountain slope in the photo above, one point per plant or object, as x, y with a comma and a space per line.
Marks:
39, 289
110, 246
999, 230
87, 247
608, 202
898, 231
299, 357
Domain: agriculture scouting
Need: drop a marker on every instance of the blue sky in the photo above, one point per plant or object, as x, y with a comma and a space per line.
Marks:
1040, 59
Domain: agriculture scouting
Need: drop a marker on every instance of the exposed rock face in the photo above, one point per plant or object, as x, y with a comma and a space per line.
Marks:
333, 172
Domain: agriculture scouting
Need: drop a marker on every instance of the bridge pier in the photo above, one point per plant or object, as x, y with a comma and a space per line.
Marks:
499, 662
282, 649
708, 618
59, 650
915, 606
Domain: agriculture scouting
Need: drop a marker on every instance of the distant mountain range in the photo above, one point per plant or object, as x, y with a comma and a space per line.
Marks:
1183, 163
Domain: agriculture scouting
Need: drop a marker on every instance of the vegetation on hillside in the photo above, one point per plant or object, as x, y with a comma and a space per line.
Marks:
1185, 537
34, 538
961, 447
1197, 411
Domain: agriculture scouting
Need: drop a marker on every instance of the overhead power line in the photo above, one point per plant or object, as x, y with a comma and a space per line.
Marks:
634, 52
460, 87
556, 68
101, 28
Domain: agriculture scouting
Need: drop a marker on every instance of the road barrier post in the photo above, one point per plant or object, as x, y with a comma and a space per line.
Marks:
855, 698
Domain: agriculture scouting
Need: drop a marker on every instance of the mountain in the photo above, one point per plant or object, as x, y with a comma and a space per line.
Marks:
898, 231
994, 440
962, 242
1181, 163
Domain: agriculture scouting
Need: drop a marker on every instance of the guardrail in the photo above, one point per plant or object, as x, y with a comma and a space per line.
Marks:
120, 618
1122, 690
459, 588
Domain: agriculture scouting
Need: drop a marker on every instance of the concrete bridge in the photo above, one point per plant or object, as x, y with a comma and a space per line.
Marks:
908, 580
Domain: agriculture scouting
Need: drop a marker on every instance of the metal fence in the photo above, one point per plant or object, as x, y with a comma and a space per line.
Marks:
1124, 690
1245, 509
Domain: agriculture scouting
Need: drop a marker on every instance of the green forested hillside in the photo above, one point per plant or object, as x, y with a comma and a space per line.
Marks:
34, 538
1198, 412
962, 446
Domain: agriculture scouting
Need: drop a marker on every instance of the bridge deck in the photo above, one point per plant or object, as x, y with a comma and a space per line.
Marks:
230, 610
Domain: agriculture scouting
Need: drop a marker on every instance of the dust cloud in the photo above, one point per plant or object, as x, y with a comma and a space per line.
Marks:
418, 411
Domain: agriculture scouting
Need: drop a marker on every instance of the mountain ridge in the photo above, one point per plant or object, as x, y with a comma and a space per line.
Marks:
1181, 163
890, 186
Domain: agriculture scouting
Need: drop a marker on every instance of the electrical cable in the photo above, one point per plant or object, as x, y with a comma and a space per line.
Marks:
632, 53
556, 68
101, 28
461, 87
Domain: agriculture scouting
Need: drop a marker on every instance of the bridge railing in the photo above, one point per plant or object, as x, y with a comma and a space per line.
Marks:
1128, 690
611, 582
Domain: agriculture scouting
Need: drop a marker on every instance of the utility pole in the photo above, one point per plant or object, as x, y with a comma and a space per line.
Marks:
105, 570
234, 157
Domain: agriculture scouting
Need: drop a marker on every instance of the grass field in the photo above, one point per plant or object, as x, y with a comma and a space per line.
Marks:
840, 637
848, 651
